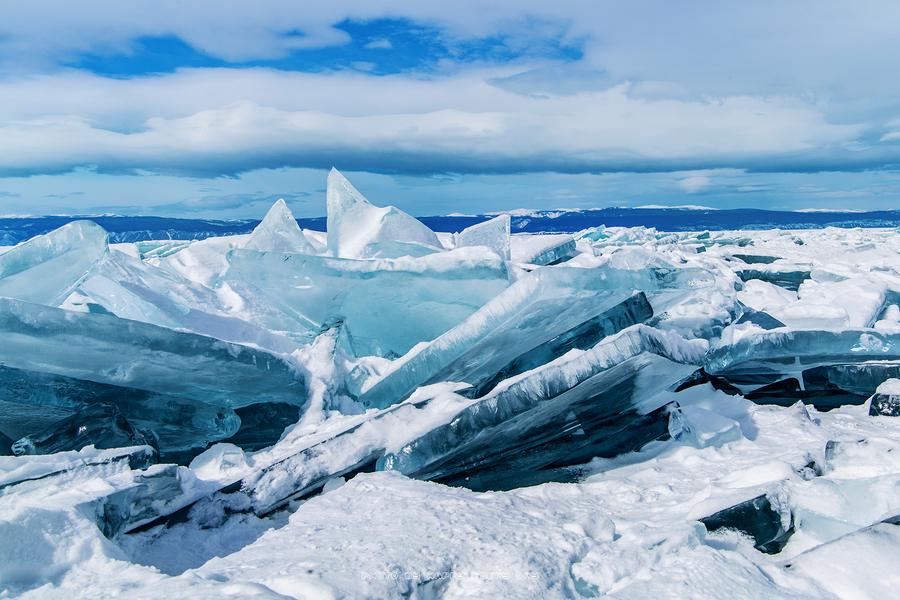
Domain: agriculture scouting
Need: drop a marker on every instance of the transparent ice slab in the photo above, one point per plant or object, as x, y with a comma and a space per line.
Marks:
385, 305
541, 249
493, 234
789, 280
143, 496
100, 425
784, 350
129, 288
824, 368
106, 349
537, 308
594, 403
16, 470
31, 402
770, 526
46, 268
631, 311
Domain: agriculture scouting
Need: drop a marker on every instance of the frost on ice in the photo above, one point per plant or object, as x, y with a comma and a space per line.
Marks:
383, 411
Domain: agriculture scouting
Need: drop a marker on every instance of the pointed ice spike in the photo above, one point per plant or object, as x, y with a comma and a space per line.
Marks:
493, 233
279, 232
356, 227
47, 267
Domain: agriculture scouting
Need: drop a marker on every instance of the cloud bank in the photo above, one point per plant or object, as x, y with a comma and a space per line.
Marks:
506, 88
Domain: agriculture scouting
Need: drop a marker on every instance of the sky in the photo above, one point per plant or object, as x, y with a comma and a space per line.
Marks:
214, 109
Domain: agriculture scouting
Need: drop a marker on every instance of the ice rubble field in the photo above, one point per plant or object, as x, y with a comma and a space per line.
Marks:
385, 411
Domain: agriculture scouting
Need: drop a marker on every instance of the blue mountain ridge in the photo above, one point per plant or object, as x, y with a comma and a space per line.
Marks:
139, 228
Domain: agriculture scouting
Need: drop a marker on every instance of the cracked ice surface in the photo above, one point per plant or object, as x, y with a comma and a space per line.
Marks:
382, 411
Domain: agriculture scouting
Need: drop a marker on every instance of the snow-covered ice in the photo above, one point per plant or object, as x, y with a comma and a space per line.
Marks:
385, 412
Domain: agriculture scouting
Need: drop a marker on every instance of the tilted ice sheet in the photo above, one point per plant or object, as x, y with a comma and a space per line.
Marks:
542, 249
792, 350
534, 310
46, 268
528, 415
493, 234
106, 349
131, 289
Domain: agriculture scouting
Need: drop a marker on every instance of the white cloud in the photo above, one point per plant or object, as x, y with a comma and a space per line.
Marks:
694, 183
764, 86
379, 44
232, 120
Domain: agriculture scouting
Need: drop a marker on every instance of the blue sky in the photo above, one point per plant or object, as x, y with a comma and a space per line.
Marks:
215, 109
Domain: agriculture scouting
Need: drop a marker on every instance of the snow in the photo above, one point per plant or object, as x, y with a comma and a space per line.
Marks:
627, 531
477, 415
891, 386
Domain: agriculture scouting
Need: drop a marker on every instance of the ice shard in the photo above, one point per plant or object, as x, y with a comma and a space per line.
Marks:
543, 249
755, 259
46, 268
106, 349
16, 470
159, 249
352, 446
536, 309
427, 295
631, 311
599, 402
493, 234
357, 228
279, 232
142, 496
886, 400
129, 288
100, 425
759, 318
770, 526
73, 267
823, 368
789, 280
31, 402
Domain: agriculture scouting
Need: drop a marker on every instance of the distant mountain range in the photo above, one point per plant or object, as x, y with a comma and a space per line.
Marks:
133, 229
